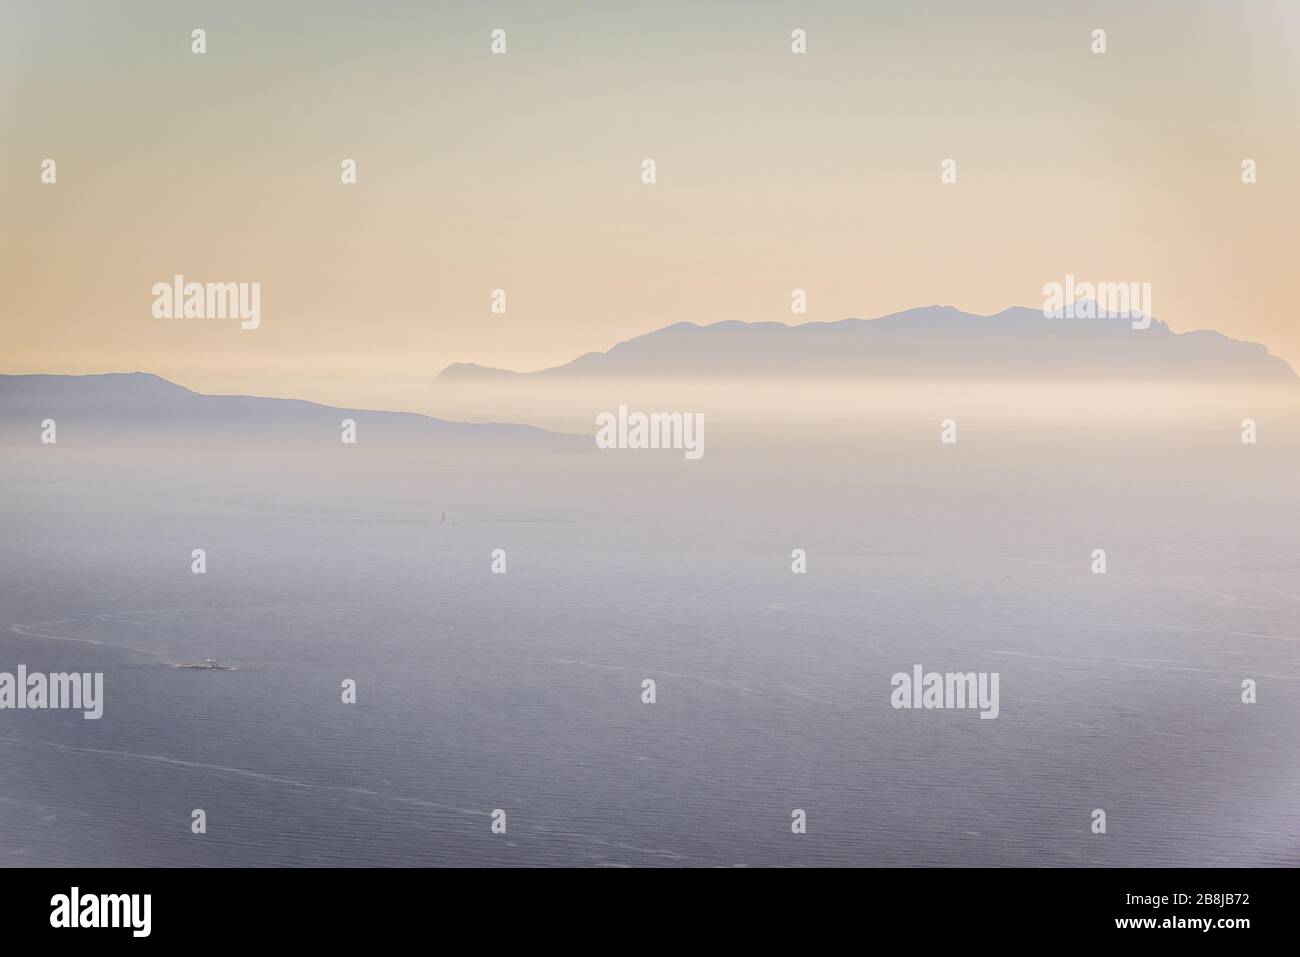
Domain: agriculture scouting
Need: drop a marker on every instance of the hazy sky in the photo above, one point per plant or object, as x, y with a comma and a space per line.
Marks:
522, 171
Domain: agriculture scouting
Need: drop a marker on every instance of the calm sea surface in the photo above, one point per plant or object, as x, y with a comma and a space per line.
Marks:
523, 691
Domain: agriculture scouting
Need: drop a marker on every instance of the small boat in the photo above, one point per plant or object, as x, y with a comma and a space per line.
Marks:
209, 664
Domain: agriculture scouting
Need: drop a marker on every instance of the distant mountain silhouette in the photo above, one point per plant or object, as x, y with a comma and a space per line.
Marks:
137, 405
930, 342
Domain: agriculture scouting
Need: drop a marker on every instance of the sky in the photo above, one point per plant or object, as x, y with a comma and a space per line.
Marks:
522, 171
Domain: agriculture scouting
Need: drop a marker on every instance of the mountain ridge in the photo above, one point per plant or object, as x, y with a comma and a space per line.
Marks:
1017, 342
142, 403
